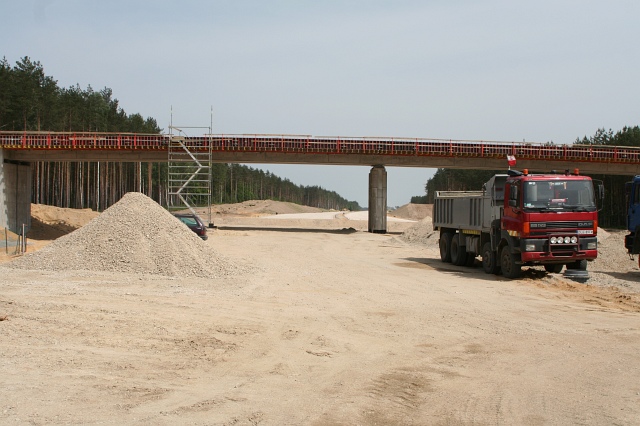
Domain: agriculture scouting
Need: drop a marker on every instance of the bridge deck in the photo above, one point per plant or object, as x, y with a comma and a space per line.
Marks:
414, 152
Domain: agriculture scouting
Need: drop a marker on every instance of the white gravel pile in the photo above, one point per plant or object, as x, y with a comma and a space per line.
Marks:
135, 235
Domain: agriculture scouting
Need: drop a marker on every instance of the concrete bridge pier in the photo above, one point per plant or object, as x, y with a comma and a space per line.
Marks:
15, 194
378, 200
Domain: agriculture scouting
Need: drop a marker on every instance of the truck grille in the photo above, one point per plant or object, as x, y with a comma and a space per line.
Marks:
561, 225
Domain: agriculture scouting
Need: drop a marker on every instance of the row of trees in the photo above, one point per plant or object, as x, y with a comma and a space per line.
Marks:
99, 185
31, 100
613, 213
234, 183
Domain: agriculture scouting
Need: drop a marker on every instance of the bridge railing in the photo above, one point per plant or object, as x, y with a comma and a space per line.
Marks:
321, 145
78, 140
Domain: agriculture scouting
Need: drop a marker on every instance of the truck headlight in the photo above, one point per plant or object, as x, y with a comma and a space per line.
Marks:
553, 240
574, 240
567, 240
529, 247
592, 246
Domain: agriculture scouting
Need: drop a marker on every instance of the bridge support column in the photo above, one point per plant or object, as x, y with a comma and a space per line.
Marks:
378, 200
15, 194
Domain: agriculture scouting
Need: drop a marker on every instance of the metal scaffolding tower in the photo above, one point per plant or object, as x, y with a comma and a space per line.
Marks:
189, 173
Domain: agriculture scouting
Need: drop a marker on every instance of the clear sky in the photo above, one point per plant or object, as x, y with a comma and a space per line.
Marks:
546, 70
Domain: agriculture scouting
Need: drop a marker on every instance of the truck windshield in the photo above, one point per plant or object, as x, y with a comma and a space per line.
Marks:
573, 195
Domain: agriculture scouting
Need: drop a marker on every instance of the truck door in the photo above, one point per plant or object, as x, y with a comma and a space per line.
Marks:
633, 213
512, 206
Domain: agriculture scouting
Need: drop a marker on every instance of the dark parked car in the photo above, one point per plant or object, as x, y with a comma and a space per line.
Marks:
194, 223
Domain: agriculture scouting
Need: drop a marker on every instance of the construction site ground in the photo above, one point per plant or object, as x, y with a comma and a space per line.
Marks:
291, 315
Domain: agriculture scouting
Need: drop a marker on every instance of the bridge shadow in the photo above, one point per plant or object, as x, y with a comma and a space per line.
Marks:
284, 229
289, 229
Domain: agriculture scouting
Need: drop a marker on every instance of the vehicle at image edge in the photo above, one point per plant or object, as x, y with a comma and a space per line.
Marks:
194, 223
631, 243
521, 219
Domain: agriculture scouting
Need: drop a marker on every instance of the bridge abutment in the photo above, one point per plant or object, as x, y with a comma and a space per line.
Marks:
15, 194
378, 200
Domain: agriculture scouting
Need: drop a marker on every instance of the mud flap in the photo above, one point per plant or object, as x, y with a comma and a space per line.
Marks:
635, 248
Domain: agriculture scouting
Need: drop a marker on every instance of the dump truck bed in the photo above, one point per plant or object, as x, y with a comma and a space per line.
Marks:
469, 210
459, 210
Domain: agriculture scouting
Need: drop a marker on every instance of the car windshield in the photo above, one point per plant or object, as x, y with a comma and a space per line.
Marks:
558, 194
188, 220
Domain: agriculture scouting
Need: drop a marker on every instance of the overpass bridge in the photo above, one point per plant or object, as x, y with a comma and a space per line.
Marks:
19, 149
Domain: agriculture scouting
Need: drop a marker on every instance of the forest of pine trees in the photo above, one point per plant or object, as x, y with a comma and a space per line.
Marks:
32, 101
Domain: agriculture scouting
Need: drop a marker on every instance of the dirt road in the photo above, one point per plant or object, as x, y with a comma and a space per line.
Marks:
333, 327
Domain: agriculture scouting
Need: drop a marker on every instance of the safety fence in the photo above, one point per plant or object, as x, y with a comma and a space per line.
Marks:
14, 243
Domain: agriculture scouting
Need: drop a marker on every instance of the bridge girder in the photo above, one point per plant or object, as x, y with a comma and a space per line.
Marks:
31, 155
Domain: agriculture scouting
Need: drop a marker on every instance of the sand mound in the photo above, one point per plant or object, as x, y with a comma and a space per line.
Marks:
420, 233
263, 207
75, 218
413, 211
50, 222
135, 235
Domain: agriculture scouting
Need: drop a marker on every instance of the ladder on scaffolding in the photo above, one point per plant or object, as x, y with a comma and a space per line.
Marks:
189, 174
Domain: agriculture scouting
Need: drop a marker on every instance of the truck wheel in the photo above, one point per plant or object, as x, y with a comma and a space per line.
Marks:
508, 263
458, 252
555, 268
578, 264
489, 260
445, 246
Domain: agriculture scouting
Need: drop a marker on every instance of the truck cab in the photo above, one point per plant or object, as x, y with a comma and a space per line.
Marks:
551, 219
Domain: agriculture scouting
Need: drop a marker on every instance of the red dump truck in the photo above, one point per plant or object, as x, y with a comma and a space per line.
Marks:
521, 219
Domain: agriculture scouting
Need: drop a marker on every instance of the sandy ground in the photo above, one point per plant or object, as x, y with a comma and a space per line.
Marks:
332, 326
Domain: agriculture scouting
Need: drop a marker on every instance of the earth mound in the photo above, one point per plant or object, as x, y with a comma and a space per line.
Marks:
255, 208
50, 222
420, 233
413, 211
134, 235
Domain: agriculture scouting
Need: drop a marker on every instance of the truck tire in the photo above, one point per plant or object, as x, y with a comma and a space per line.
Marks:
458, 252
489, 260
508, 263
445, 246
555, 268
578, 264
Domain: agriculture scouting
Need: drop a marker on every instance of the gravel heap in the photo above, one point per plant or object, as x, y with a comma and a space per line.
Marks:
135, 235
420, 233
